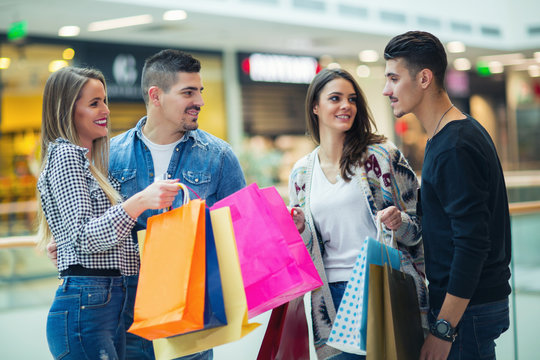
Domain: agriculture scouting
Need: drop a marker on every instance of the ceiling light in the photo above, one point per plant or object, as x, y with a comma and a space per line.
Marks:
57, 64
455, 47
173, 15
119, 23
505, 59
534, 71
4, 62
334, 65
363, 71
462, 64
68, 54
69, 31
368, 56
496, 67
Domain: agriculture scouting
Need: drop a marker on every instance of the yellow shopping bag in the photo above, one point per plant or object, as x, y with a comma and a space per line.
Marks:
233, 295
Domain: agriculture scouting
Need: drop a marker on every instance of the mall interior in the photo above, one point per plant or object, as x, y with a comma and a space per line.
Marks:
258, 57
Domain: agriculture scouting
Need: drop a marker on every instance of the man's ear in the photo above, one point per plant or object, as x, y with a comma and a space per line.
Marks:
154, 94
425, 78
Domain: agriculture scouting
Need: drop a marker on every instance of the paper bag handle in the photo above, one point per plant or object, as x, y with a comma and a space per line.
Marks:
380, 233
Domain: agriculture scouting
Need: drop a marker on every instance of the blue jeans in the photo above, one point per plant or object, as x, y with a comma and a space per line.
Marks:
138, 348
84, 321
477, 330
337, 289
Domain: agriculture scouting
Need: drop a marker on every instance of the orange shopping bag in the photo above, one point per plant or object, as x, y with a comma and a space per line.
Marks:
171, 289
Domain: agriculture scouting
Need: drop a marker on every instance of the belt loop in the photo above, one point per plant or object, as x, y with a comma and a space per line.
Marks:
65, 283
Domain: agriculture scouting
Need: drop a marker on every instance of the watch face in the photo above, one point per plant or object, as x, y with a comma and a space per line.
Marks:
442, 328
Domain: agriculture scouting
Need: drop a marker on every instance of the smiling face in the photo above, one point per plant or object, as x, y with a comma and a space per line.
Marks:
402, 89
91, 113
336, 107
182, 103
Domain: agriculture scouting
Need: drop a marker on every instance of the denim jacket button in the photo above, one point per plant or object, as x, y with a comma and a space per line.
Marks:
169, 176
196, 180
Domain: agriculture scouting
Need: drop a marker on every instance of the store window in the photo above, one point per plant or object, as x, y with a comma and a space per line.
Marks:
24, 69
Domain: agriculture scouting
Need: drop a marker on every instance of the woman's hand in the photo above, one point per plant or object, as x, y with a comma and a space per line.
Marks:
157, 195
298, 218
391, 217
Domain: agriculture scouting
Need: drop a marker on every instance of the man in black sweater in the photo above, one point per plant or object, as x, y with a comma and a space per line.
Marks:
464, 206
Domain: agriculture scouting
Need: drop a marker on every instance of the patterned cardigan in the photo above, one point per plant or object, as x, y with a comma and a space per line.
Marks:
386, 179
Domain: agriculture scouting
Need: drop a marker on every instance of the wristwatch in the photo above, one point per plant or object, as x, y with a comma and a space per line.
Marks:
443, 330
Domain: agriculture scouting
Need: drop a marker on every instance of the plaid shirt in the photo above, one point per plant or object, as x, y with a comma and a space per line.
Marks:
87, 229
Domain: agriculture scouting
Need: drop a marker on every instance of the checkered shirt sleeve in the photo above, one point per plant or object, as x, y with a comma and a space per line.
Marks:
87, 229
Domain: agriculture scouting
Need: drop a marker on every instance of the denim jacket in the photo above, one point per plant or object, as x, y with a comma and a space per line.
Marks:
205, 163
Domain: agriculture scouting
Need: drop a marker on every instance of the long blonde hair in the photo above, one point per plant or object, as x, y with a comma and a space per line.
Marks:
62, 90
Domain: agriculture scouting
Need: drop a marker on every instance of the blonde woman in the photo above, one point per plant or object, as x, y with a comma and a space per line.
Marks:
81, 209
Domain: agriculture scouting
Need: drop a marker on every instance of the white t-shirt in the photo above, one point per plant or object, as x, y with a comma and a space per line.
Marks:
161, 157
341, 214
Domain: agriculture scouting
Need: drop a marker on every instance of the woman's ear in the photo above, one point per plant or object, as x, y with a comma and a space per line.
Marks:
316, 109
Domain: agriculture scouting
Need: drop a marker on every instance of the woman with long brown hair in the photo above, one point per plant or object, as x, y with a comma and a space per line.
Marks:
339, 190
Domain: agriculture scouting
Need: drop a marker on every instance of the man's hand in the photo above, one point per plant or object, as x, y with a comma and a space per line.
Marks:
51, 252
435, 349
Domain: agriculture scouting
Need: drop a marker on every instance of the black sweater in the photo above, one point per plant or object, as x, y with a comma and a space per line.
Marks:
465, 218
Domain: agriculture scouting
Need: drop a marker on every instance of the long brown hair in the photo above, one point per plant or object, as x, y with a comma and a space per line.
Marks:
62, 90
359, 136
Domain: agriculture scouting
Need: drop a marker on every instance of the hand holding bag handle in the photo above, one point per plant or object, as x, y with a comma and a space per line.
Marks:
349, 331
394, 329
171, 288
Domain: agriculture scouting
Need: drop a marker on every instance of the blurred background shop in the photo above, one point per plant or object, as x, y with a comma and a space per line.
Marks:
258, 58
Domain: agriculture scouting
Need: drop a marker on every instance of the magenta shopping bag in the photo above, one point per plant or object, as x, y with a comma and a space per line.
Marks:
271, 273
310, 275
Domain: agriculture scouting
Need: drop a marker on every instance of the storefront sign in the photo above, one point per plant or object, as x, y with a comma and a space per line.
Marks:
278, 68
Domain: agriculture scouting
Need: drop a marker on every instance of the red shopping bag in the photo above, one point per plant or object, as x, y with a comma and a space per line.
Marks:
287, 334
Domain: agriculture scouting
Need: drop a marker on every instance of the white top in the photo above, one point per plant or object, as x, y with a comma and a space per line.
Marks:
341, 215
161, 156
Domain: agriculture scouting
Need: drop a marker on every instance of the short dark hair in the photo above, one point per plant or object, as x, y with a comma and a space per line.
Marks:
161, 69
359, 136
420, 50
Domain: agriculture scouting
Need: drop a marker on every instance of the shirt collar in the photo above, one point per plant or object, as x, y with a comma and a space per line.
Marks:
189, 134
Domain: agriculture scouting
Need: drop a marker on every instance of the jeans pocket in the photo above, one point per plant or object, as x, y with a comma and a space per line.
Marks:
95, 297
487, 328
57, 336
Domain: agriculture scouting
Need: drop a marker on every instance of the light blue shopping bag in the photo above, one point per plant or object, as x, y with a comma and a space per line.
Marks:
349, 331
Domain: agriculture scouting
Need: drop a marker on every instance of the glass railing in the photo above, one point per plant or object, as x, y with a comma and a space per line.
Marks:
28, 281
520, 341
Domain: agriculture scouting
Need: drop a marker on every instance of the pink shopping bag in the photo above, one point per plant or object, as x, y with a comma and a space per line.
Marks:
271, 273
310, 275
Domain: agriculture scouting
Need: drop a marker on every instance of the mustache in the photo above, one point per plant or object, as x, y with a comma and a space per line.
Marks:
194, 107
